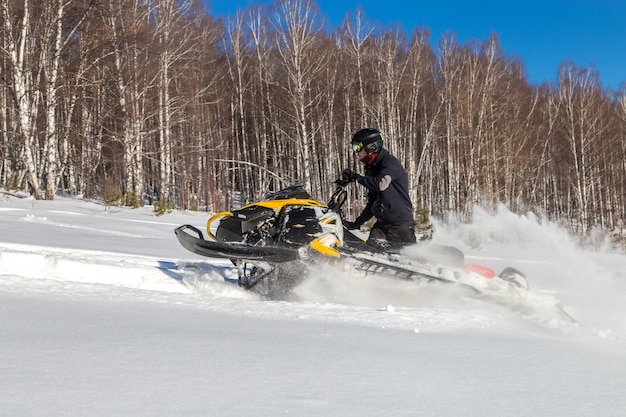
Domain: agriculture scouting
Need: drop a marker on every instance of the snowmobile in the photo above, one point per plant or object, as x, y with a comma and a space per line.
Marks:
276, 241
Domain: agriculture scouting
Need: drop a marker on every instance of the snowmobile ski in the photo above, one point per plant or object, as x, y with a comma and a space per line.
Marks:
200, 246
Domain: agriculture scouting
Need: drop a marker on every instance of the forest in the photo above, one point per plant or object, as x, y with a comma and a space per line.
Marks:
139, 102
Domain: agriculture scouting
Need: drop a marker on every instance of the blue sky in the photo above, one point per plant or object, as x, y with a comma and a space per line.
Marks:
543, 34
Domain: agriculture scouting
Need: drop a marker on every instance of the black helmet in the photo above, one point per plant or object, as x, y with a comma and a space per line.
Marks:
368, 138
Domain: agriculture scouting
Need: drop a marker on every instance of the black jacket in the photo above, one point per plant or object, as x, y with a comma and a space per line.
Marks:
388, 191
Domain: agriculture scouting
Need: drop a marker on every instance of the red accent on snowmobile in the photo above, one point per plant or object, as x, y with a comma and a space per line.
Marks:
480, 270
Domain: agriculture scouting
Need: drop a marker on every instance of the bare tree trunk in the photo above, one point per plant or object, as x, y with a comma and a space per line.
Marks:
582, 132
296, 24
423, 112
21, 56
125, 25
355, 34
173, 36
6, 169
450, 72
262, 98
237, 70
54, 11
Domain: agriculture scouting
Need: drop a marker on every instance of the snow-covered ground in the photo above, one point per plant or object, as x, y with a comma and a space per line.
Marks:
103, 313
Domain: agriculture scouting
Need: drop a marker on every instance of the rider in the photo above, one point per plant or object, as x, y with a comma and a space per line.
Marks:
388, 192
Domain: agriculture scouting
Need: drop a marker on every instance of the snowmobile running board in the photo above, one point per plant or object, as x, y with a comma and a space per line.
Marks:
272, 254
200, 246
373, 266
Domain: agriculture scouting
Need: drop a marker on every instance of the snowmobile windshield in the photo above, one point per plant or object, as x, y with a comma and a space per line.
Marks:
294, 191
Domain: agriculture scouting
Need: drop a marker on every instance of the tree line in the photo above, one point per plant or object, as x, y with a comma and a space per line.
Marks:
156, 100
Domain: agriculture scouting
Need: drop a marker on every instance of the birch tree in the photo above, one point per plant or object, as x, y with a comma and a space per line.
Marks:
422, 116
619, 169
354, 36
174, 39
449, 68
296, 26
35, 35
243, 143
6, 161
21, 55
582, 132
262, 107
126, 21
59, 31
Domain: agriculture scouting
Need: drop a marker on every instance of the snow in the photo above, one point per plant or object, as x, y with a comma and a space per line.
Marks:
103, 313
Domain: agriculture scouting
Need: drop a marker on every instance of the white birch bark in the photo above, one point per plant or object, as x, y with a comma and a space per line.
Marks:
174, 37
356, 32
50, 62
130, 81
297, 24
20, 54
582, 133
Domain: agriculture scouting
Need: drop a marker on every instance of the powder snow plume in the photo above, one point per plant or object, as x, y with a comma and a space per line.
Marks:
587, 278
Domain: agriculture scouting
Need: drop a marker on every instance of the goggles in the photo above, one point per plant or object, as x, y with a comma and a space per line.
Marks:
357, 146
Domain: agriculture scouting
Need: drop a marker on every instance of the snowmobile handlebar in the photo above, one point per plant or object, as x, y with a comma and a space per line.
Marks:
342, 182
339, 197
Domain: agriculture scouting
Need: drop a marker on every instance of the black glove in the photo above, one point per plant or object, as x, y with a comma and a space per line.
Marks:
348, 176
351, 225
